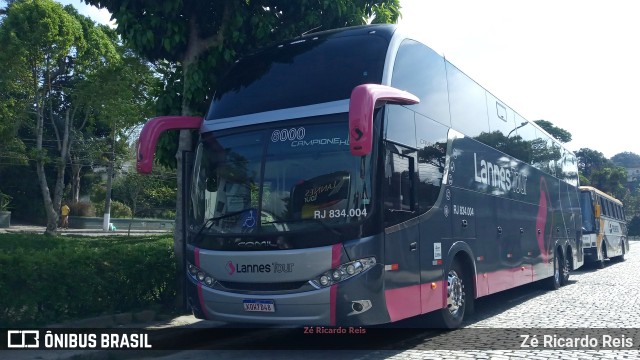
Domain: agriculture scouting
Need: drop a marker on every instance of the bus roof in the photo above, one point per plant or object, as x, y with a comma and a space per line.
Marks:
601, 193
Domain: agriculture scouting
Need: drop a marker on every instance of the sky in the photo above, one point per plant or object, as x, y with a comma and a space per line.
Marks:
573, 63
101, 16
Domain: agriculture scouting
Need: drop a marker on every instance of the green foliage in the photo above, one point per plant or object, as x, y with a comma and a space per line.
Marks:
598, 171
558, 133
20, 182
40, 30
634, 226
118, 209
191, 66
626, 159
612, 180
5, 202
82, 208
151, 196
591, 160
58, 65
46, 280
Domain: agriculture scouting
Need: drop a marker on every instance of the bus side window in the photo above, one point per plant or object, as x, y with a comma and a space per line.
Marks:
421, 71
432, 151
612, 210
526, 133
398, 187
468, 103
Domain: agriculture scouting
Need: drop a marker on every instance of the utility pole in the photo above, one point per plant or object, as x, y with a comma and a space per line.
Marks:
106, 220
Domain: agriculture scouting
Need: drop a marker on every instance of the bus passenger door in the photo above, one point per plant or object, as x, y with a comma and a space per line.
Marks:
402, 236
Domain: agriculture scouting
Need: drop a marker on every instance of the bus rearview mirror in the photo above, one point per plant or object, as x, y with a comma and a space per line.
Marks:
364, 100
598, 210
151, 132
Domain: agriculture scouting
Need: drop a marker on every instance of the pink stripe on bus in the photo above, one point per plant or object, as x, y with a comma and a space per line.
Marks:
403, 302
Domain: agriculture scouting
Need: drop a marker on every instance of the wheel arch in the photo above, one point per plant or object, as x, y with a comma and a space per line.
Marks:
461, 251
568, 255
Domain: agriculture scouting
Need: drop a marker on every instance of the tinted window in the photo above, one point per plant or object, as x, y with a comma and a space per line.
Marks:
305, 72
527, 134
588, 222
420, 71
570, 169
498, 119
398, 184
543, 152
399, 125
468, 103
603, 206
432, 150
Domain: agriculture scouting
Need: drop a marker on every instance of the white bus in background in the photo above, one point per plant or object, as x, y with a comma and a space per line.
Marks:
604, 229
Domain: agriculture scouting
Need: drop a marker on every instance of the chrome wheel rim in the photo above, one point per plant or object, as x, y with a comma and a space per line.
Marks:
455, 293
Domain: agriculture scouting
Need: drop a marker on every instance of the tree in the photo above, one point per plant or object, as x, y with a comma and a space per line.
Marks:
558, 133
77, 83
204, 37
591, 160
611, 180
634, 226
119, 96
627, 159
41, 36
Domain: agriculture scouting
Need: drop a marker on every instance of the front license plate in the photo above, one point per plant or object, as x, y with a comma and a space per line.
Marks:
259, 305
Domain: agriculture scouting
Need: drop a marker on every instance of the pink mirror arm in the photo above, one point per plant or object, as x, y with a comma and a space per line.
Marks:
152, 131
362, 104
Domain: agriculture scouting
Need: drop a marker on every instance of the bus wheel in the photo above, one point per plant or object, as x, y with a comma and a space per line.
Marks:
603, 255
453, 314
620, 258
553, 283
564, 280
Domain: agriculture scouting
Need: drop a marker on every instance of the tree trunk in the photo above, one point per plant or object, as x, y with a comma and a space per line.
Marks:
62, 163
75, 181
185, 144
52, 215
196, 47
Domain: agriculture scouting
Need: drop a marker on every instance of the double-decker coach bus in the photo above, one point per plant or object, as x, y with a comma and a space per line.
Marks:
355, 177
604, 228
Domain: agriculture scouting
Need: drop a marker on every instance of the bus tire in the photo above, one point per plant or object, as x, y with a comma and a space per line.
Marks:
554, 282
452, 315
603, 256
565, 270
620, 258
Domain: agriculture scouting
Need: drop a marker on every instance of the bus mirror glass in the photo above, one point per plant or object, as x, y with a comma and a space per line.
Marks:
152, 131
598, 210
364, 100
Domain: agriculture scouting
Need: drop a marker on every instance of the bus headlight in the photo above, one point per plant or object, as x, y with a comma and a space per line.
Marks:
342, 272
200, 276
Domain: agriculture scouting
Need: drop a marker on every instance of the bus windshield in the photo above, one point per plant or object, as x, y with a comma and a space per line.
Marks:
588, 217
278, 180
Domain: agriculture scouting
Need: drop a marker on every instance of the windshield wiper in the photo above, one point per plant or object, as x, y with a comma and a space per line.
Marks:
318, 221
209, 222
